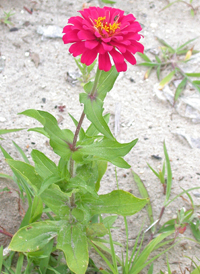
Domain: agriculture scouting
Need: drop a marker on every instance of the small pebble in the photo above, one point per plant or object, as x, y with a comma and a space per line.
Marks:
196, 194
44, 100
27, 53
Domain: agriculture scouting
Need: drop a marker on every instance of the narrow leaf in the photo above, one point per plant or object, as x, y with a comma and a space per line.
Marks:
194, 74
167, 79
180, 88
144, 57
169, 174
26, 160
5, 131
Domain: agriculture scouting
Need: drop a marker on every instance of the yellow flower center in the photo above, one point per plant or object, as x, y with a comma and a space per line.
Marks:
101, 26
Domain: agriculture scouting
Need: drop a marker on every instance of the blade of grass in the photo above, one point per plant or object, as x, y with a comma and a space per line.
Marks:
185, 44
165, 44
144, 57
195, 74
112, 251
150, 271
2, 175
180, 88
169, 175
168, 267
19, 264
1, 257
126, 261
143, 192
166, 80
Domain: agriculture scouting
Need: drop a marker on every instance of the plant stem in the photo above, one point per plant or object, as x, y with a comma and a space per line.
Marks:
71, 163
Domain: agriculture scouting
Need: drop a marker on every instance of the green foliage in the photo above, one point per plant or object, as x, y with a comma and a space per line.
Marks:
5, 20
193, 10
171, 58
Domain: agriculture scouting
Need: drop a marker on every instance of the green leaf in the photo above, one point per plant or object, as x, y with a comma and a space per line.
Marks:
144, 57
94, 230
78, 183
106, 82
43, 165
185, 44
73, 242
180, 88
146, 64
93, 110
167, 45
141, 260
108, 1
19, 264
107, 149
169, 174
1, 257
194, 74
144, 194
116, 202
102, 167
34, 236
57, 200
26, 160
37, 209
167, 79
26, 172
52, 179
92, 131
158, 72
2, 175
5, 131
195, 231
39, 130
150, 271
59, 139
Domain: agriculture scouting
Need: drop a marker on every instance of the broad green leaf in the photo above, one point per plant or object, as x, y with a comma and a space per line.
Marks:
92, 131
88, 173
94, 230
39, 130
195, 230
196, 270
27, 172
107, 149
88, 87
52, 179
26, 160
43, 165
116, 202
194, 74
72, 241
169, 174
37, 209
167, 79
144, 194
59, 139
106, 82
180, 88
34, 236
80, 184
93, 110
57, 200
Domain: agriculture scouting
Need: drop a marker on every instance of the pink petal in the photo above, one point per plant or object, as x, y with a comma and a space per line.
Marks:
135, 47
77, 48
88, 57
70, 37
129, 57
85, 35
104, 62
107, 47
121, 66
91, 44
117, 57
119, 46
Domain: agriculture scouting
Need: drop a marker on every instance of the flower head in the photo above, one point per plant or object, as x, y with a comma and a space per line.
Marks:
104, 32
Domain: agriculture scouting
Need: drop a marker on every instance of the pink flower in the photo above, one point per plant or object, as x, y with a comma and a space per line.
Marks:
105, 32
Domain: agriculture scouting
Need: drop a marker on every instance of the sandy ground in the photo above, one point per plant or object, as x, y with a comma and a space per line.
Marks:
43, 85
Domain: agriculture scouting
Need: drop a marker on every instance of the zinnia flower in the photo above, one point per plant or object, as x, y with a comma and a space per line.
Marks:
105, 32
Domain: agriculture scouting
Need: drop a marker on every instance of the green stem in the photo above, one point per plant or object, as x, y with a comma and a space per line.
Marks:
71, 163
